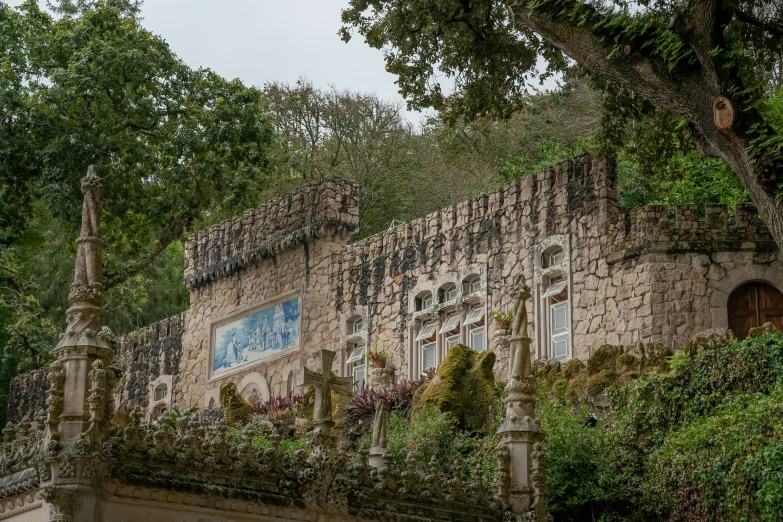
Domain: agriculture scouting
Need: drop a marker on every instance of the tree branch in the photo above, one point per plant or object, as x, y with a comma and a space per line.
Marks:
770, 27
112, 279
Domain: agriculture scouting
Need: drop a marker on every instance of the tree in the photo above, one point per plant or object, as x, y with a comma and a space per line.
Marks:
345, 133
699, 60
177, 146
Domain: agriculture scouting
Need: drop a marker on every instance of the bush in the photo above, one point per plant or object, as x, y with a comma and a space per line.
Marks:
724, 466
435, 435
589, 469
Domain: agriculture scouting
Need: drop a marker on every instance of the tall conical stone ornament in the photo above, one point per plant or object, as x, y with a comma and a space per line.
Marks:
85, 314
80, 402
519, 450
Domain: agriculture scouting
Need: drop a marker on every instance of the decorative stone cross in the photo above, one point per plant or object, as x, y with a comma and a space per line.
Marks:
324, 383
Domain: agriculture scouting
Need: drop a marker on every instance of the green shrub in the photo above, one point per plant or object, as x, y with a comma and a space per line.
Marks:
433, 434
589, 470
724, 466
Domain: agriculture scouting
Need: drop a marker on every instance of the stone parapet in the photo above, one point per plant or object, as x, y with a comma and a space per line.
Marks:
327, 207
585, 185
142, 355
650, 229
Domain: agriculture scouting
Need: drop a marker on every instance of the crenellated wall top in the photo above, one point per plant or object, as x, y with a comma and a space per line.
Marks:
328, 207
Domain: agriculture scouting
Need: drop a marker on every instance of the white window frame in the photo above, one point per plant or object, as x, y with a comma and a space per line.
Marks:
472, 285
476, 314
451, 323
157, 396
450, 341
481, 332
432, 347
427, 330
450, 292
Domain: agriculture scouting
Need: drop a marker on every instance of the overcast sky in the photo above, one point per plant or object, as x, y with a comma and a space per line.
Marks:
269, 40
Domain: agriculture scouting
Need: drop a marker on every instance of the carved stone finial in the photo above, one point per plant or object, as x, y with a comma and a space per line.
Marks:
85, 314
520, 486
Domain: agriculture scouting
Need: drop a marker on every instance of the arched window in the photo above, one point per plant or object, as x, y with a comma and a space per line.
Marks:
161, 392
552, 257
447, 293
471, 285
423, 301
752, 305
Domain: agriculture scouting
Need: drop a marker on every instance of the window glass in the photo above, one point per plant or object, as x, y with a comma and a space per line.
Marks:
427, 330
556, 257
560, 346
450, 323
357, 354
555, 288
477, 339
426, 301
452, 340
559, 318
476, 315
359, 375
428, 356
473, 285
160, 392
448, 293
358, 325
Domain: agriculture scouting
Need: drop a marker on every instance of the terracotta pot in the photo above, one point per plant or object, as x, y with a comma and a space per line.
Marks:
379, 363
502, 324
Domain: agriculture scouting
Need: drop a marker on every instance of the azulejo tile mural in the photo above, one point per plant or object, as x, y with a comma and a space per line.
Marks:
256, 334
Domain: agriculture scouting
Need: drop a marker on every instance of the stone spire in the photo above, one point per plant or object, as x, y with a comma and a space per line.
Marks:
85, 314
80, 403
379, 455
520, 456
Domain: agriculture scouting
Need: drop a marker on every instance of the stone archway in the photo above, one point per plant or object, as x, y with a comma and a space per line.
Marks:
753, 304
722, 288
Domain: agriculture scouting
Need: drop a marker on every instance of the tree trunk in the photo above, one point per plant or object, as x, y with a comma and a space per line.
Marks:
690, 94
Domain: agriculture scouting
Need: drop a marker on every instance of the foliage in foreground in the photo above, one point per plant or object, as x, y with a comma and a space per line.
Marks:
699, 442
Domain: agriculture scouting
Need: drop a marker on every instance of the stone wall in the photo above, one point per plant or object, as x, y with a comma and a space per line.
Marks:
27, 394
284, 248
632, 277
146, 354
142, 356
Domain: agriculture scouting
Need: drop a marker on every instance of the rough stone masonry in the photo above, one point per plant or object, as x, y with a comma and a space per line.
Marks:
598, 275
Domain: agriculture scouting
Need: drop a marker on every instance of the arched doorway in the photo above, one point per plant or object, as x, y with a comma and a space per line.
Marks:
752, 305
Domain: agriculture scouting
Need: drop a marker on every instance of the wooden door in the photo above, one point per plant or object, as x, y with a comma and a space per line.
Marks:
752, 305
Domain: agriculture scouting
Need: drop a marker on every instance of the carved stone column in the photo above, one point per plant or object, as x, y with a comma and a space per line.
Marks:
81, 382
520, 458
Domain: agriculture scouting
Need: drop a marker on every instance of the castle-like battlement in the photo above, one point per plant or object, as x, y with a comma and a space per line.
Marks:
567, 188
650, 228
330, 206
169, 328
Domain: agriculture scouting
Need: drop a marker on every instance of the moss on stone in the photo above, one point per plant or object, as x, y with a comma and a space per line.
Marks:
572, 368
464, 387
601, 381
238, 410
709, 340
604, 358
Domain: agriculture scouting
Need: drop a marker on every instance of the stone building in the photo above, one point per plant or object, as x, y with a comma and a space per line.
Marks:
270, 287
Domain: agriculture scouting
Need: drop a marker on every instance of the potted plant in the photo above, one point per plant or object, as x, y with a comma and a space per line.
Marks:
378, 357
503, 319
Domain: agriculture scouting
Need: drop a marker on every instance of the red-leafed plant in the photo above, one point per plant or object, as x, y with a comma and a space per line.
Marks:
275, 405
399, 397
